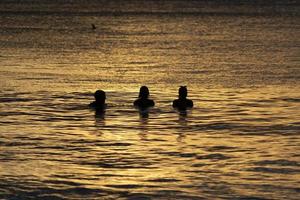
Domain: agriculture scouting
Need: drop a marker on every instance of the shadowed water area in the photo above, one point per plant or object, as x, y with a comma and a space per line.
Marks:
241, 67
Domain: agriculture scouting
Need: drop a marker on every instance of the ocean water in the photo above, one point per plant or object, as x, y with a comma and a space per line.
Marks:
239, 60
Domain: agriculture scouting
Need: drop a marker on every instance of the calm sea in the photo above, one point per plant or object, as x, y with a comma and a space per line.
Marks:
239, 59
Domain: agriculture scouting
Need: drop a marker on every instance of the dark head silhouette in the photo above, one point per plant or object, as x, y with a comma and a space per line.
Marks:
182, 102
143, 101
182, 92
100, 96
144, 92
93, 26
99, 99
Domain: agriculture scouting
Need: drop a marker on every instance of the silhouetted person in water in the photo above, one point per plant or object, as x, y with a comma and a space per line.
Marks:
143, 102
93, 26
99, 103
182, 102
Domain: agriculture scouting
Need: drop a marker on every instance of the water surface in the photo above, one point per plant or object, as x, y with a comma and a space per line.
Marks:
240, 64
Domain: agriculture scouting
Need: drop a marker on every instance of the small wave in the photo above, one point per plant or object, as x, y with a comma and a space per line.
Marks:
164, 180
221, 148
250, 198
118, 163
125, 186
118, 144
199, 165
215, 156
218, 126
281, 162
293, 100
274, 170
14, 99
62, 182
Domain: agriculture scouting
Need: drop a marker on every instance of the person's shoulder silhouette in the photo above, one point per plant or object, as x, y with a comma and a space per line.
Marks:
99, 102
143, 101
182, 102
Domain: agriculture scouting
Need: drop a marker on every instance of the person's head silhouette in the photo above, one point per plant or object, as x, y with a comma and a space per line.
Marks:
100, 96
143, 101
182, 102
144, 92
182, 92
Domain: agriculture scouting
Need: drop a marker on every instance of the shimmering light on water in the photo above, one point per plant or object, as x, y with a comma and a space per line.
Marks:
240, 141
242, 144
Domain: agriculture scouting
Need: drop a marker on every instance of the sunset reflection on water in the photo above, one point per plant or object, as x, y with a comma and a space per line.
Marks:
240, 141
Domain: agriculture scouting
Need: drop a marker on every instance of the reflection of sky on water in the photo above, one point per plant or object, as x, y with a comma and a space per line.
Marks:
239, 141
